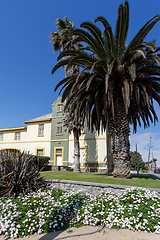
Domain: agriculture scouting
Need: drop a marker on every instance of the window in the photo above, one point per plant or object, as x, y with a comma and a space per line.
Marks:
59, 128
59, 150
1, 136
17, 136
41, 130
60, 108
40, 152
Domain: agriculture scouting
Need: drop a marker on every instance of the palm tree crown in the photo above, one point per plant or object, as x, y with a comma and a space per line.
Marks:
129, 74
64, 33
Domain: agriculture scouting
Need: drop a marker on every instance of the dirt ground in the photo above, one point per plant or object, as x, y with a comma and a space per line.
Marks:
104, 234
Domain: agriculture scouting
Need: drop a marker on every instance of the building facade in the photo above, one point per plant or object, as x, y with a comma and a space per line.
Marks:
35, 137
47, 136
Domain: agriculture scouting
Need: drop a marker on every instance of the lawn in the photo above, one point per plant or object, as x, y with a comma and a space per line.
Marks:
141, 181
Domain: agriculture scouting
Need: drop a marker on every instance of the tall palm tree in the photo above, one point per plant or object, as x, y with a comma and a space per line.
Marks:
117, 83
62, 40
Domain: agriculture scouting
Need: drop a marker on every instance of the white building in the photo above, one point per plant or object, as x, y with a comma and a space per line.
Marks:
34, 137
46, 136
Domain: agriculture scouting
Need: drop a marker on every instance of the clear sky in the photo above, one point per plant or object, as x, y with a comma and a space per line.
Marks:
26, 56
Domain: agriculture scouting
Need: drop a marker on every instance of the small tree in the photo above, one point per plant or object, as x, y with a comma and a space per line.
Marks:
133, 161
155, 162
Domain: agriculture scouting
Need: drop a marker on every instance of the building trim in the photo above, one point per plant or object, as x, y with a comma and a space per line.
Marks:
40, 120
59, 98
86, 153
82, 139
13, 129
56, 140
40, 149
26, 142
96, 162
94, 167
55, 154
58, 117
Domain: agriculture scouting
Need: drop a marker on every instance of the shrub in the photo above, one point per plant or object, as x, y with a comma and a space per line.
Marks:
43, 162
18, 175
133, 161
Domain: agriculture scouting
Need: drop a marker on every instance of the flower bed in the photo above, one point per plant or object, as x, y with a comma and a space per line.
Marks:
51, 210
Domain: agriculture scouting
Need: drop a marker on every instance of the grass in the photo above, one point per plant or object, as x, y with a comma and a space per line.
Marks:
138, 181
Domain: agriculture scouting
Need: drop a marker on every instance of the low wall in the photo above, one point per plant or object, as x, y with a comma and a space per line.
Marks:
90, 187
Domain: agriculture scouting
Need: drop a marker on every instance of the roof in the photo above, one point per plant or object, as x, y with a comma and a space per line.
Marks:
13, 129
43, 118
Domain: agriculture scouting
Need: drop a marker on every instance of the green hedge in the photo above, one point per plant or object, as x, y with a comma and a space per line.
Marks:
43, 162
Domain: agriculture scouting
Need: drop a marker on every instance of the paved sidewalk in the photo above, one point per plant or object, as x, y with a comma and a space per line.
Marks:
104, 234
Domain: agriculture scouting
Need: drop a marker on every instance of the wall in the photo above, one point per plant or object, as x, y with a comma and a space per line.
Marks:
90, 188
95, 147
38, 142
9, 141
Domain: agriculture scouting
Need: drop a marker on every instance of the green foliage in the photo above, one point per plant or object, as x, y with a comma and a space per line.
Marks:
133, 161
155, 160
18, 175
43, 162
64, 27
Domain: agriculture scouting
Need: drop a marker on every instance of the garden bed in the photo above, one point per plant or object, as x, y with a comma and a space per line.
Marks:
52, 210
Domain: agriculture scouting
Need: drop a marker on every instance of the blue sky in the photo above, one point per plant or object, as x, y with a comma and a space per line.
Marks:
26, 56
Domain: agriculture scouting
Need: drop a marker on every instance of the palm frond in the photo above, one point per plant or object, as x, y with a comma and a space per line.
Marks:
60, 64
109, 41
96, 32
139, 38
67, 53
87, 38
118, 31
122, 26
102, 20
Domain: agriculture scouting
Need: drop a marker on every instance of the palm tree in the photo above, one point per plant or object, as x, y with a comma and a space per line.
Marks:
117, 83
62, 40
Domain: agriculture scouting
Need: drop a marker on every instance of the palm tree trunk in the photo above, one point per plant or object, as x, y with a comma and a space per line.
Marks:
119, 131
68, 72
76, 151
